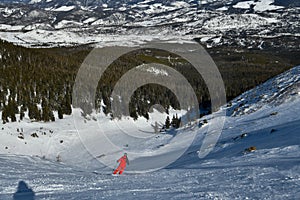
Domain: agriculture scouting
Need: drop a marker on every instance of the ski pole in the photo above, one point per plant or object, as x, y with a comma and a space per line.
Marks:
116, 165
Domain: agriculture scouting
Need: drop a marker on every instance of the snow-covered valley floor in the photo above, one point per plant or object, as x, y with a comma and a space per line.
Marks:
266, 118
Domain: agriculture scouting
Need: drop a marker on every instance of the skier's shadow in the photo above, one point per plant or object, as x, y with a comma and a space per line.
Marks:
24, 192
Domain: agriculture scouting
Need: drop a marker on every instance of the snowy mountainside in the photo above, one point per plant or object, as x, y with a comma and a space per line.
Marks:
265, 117
242, 23
276, 91
228, 172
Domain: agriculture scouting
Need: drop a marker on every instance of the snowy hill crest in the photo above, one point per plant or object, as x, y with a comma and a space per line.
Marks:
274, 92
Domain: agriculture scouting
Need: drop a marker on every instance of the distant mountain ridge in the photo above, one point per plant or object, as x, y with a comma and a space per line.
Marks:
238, 22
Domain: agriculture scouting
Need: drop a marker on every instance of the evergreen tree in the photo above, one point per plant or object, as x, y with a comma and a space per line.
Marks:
51, 115
12, 109
13, 117
133, 113
168, 123
60, 113
22, 112
4, 115
146, 115
67, 104
47, 113
174, 121
31, 112
38, 115
178, 123
34, 112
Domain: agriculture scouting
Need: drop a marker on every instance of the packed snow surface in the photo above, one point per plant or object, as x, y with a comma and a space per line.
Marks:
266, 117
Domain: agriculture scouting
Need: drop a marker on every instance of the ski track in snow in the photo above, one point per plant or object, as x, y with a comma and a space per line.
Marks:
209, 181
268, 115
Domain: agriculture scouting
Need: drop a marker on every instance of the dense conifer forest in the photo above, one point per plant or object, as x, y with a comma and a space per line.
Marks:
38, 82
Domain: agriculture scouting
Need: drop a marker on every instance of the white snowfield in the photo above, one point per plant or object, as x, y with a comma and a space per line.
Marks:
261, 5
266, 117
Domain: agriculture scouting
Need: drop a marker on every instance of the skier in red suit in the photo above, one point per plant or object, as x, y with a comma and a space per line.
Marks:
123, 161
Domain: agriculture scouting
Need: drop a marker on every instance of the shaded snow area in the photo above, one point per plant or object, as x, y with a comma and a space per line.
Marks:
256, 157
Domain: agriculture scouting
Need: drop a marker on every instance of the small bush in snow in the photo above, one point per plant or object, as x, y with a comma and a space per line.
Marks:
250, 149
21, 136
274, 113
273, 130
35, 135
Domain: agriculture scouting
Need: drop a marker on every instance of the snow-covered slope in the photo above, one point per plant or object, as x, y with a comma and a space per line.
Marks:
245, 178
266, 118
273, 93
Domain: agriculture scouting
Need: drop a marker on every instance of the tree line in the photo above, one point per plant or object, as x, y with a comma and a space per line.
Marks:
39, 82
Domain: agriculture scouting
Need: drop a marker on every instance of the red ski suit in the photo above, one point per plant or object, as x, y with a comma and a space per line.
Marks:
123, 161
